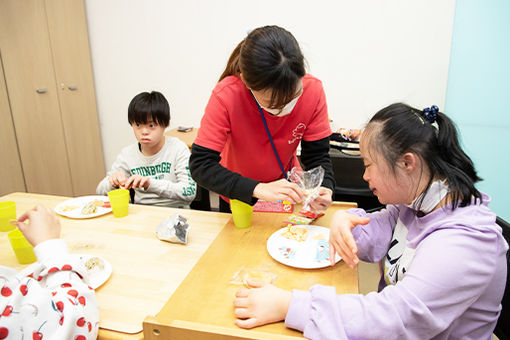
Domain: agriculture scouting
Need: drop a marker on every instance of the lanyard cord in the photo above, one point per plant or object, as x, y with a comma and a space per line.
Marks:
270, 138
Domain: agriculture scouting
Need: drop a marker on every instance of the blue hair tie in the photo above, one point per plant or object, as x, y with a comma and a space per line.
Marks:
430, 113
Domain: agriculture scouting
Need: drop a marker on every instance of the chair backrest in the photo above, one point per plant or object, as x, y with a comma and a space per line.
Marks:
502, 330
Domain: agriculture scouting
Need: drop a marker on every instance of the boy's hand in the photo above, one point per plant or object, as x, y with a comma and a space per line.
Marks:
260, 305
117, 179
137, 181
341, 240
44, 225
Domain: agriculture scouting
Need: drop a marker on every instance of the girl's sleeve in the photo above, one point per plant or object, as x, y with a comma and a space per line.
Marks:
120, 164
185, 187
52, 301
427, 301
374, 238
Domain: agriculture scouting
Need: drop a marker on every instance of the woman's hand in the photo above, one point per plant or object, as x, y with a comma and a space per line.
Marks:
279, 190
323, 200
260, 305
44, 225
117, 179
341, 240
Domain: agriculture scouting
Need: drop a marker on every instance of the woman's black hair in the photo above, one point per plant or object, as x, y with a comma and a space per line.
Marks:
149, 105
400, 128
269, 58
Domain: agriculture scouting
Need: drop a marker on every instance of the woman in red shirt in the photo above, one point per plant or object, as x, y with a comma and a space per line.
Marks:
263, 106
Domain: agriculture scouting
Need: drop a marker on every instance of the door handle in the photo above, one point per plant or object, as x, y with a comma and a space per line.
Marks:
43, 90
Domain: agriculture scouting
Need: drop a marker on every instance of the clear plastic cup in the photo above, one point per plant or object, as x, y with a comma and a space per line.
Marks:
119, 200
22, 248
7, 213
241, 213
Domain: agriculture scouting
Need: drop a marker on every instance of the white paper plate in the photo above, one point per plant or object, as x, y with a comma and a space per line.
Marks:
72, 208
309, 254
98, 274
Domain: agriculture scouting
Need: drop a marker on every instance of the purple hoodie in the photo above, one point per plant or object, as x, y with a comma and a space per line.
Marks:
451, 288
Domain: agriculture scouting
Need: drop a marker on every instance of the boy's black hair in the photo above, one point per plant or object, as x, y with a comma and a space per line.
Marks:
149, 105
400, 128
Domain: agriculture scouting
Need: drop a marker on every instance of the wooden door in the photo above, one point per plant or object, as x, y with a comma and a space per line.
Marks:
73, 71
30, 79
11, 173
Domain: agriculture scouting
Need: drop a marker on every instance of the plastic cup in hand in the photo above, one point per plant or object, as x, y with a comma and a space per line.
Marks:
119, 200
241, 213
7, 213
22, 248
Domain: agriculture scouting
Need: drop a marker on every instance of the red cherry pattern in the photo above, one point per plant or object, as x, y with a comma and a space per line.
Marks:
53, 270
80, 337
60, 306
7, 311
80, 322
61, 321
89, 326
67, 267
6, 291
73, 292
4, 332
37, 335
82, 300
65, 285
23, 289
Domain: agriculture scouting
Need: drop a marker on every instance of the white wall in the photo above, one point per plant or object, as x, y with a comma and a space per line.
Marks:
367, 53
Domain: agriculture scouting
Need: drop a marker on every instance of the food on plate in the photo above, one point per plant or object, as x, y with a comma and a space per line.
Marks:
66, 208
295, 233
93, 263
98, 203
89, 208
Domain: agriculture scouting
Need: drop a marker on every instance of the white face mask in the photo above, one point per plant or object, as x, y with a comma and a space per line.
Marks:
287, 109
437, 191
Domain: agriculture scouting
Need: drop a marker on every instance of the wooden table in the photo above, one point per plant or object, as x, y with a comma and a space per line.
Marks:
186, 137
202, 306
146, 271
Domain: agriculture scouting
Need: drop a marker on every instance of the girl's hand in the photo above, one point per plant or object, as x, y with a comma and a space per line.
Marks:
260, 305
279, 190
341, 240
323, 200
44, 225
137, 181
117, 179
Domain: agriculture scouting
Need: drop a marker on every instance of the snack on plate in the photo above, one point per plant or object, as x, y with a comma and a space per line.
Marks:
88, 209
295, 233
244, 274
94, 262
174, 229
66, 208
98, 203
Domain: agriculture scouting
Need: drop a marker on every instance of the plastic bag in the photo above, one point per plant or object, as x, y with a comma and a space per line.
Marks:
174, 229
310, 181
259, 273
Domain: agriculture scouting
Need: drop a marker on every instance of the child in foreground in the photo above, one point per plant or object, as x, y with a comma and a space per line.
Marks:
443, 255
53, 301
157, 166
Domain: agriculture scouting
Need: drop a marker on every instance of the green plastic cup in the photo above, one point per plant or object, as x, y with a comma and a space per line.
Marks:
241, 213
22, 248
7, 213
119, 200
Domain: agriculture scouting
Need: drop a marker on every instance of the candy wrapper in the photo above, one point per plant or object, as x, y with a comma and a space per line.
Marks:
174, 229
310, 181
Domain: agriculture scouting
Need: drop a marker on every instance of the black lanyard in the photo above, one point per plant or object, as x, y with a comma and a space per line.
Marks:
271, 138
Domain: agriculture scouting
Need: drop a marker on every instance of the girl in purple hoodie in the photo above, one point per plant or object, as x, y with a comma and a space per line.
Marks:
442, 254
